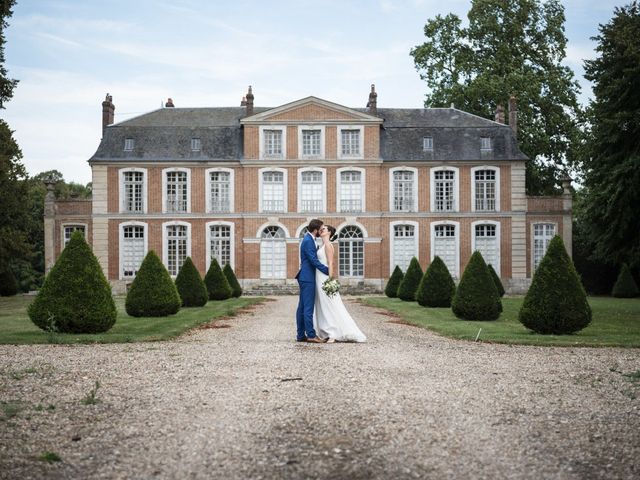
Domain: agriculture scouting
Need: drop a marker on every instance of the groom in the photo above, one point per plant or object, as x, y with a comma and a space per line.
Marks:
307, 280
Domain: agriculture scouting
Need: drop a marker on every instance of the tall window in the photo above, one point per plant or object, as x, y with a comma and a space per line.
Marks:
220, 188
542, 235
351, 191
311, 143
351, 252
444, 190
445, 246
404, 246
177, 238
273, 253
273, 191
132, 250
133, 191
177, 192
486, 242
403, 191
273, 143
68, 231
220, 244
350, 142
485, 188
311, 192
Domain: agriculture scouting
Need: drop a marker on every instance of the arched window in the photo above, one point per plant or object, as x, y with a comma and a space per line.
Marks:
273, 253
351, 247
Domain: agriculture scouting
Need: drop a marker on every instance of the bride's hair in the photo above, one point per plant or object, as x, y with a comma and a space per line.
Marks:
332, 233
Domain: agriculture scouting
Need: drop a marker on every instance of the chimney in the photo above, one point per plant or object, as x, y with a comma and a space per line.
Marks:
108, 109
513, 115
249, 102
372, 104
243, 102
499, 113
169, 103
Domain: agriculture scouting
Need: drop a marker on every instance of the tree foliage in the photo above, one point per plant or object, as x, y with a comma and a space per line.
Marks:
236, 289
217, 283
409, 284
190, 285
152, 293
436, 289
496, 280
612, 178
476, 297
625, 286
7, 84
511, 47
391, 290
8, 283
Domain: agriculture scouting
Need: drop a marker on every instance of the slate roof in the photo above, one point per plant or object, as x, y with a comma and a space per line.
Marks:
165, 135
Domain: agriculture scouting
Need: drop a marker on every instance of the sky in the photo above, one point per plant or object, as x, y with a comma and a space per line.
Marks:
67, 54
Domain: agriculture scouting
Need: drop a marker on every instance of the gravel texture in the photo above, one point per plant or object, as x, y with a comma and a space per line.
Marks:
249, 402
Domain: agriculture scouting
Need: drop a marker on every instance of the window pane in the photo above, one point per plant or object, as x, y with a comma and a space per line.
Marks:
68, 231
128, 144
310, 142
220, 246
485, 190
351, 191
311, 192
273, 253
403, 188
196, 144
177, 192
272, 192
132, 250
445, 246
176, 248
485, 143
404, 245
350, 142
444, 190
487, 244
351, 252
220, 186
542, 235
427, 143
273, 143
133, 191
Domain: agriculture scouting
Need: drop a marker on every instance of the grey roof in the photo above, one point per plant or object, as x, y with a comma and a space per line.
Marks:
165, 135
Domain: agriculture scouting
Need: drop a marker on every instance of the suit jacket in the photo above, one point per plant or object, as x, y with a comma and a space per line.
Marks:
309, 260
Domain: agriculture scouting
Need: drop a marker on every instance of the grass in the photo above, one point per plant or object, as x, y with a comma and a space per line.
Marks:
16, 327
50, 457
616, 323
91, 398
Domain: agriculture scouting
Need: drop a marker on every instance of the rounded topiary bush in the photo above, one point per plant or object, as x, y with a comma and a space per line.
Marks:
216, 282
436, 289
190, 286
496, 280
476, 297
75, 296
556, 302
391, 290
236, 289
409, 284
625, 286
8, 283
152, 293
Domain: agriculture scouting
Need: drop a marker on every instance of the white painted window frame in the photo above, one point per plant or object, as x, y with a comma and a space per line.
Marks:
498, 267
165, 241
261, 146
363, 183
232, 233
73, 224
473, 187
392, 238
145, 178
129, 144
532, 239
323, 171
361, 142
456, 188
121, 242
432, 229
287, 237
207, 187
322, 142
415, 188
196, 144
164, 188
286, 187
425, 148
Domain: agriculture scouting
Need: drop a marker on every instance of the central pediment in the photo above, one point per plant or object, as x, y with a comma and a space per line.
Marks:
311, 110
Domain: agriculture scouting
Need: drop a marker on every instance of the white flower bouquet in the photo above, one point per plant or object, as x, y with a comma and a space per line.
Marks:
331, 286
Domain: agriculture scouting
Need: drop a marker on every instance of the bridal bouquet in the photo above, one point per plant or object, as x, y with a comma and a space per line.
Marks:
331, 286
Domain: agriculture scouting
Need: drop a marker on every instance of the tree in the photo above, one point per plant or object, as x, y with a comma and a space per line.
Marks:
409, 284
625, 286
476, 297
233, 281
76, 296
496, 280
190, 285
556, 302
391, 290
216, 282
7, 85
436, 287
8, 284
152, 293
612, 174
511, 47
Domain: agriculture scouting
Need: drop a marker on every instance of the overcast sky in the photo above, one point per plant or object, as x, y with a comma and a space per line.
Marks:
69, 54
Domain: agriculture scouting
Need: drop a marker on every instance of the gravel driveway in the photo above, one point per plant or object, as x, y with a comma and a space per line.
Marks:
248, 402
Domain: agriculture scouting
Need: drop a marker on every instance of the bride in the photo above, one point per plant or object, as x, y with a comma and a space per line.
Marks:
331, 319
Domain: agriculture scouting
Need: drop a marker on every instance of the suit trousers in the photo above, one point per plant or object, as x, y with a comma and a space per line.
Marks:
304, 315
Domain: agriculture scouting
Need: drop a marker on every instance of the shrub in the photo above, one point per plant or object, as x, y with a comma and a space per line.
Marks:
496, 280
409, 284
8, 283
625, 286
190, 285
556, 302
436, 287
236, 289
152, 293
75, 296
476, 297
391, 290
216, 282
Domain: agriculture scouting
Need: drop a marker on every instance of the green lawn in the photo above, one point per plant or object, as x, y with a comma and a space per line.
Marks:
16, 328
616, 322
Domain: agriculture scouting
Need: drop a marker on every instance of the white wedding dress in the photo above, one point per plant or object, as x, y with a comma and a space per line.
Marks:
330, 317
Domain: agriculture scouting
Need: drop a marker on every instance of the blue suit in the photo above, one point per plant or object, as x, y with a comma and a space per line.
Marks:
307, 280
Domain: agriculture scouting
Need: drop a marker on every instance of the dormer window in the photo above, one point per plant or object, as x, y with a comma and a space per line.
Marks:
427, 144
128, 144
196, 144
485, 144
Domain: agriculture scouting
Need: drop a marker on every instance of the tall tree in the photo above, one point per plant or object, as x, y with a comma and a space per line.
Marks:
612, 177
511, 47
6, 84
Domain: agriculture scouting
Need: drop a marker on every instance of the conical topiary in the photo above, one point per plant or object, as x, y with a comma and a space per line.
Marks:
496, 280
391, 290
152, 293
8, 283
436, 289
236, 289
625, 286
556, 302
216, 282
409, 284
190, 285
75, 296
476, 297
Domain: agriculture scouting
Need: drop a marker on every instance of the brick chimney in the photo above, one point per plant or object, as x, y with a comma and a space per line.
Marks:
108, 109
372, 104
513, 115
249, 102
499, 113
169, 103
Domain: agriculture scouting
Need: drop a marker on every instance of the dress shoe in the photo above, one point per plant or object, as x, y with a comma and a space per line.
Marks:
315, 340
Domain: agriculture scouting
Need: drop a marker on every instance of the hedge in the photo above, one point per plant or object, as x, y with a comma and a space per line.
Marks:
152, 293
410, 281
476, 297
217, 283
391, 290
436, 288
191, 288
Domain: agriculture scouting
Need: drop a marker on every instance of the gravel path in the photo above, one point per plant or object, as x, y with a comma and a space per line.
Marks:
248, 402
